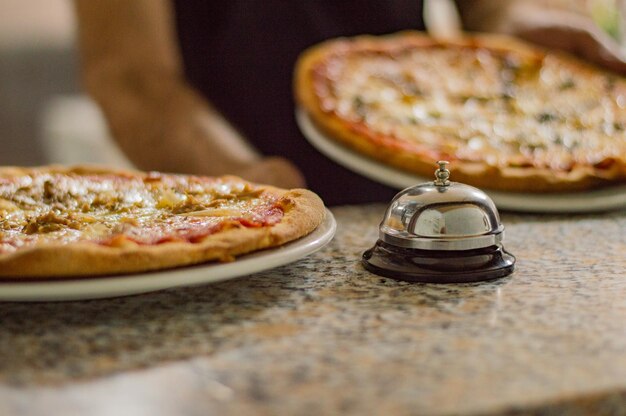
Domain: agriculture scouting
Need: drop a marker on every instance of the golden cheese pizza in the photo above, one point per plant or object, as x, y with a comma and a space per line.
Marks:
510, 116
85, 221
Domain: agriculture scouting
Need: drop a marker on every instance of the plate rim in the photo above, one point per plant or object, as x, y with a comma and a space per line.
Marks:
601, 200
99, 287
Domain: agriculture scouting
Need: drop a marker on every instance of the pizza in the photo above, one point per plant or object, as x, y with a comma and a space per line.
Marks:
86, 221
508, 115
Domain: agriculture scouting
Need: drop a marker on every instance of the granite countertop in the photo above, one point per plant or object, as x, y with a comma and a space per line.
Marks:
323, 336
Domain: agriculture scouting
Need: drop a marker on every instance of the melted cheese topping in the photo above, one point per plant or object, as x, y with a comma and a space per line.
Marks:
114, 210
479, 105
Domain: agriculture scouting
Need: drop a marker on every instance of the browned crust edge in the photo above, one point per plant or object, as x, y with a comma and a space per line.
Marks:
304, 211
514, 179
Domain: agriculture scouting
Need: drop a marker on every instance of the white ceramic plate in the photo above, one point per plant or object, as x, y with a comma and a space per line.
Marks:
605, 199
112, 286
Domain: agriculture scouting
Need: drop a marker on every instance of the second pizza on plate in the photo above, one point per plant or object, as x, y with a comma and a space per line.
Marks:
510, 116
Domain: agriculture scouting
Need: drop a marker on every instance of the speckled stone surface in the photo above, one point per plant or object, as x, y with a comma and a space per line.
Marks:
323, 336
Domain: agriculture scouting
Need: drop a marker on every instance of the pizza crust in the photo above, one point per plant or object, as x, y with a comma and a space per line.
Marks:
303, 212
388, 151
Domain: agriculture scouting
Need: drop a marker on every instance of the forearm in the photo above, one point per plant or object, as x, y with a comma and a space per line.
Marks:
169, 127
132, 68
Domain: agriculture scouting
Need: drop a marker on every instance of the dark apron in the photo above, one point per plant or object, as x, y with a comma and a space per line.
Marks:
240, 54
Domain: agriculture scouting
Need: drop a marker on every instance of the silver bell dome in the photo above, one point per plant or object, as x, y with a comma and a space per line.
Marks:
442, 215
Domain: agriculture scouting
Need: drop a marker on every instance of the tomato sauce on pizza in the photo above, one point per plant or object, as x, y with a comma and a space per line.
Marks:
509, 115
55, 207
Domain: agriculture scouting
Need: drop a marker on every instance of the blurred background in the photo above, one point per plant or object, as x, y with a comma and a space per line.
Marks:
37, 62
43, 116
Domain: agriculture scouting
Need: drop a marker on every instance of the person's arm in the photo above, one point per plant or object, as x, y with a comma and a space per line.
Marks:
132, 67
549, 27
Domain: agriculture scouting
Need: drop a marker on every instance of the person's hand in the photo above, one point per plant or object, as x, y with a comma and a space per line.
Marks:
547, 26
575, 34
273, 171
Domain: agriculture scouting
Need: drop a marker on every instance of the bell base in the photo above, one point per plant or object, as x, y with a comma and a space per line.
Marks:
438, 266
